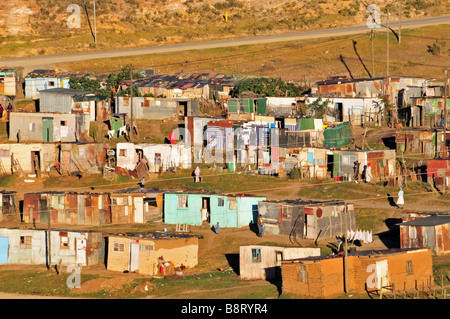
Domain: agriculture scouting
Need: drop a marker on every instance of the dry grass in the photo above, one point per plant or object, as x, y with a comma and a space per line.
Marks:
300, 61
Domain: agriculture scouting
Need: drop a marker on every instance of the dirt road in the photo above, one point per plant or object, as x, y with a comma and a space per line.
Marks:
31, 63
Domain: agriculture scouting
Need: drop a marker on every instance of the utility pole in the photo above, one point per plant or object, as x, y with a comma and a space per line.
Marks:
95, 26
345, 250
373, 59
444, 154
387, 44
131, 103
399, 21
49, 239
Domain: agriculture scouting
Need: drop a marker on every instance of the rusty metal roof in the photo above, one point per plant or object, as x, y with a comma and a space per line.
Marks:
428, 221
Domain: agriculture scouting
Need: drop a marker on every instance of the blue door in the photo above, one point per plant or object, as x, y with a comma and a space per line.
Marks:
4, 250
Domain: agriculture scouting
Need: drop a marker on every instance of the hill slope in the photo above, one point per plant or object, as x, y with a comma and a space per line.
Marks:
38, 27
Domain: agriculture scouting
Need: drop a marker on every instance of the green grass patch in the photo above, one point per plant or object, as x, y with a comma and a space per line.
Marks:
370, 218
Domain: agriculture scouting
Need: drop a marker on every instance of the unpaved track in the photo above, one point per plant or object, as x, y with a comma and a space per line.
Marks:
30, 63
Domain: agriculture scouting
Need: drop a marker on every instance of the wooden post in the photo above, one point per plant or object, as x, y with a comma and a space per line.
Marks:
373, 61
345, 249
444, 151
49, 240
393, 288
387, 45
131, 103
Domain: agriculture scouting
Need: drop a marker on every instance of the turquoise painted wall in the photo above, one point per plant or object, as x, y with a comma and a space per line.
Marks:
235, 212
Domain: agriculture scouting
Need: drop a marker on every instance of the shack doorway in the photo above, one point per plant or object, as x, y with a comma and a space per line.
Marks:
330, 162
36, 162
134, 256
206, 210
182, 109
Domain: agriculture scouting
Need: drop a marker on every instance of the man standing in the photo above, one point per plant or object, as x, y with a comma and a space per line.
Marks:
260, 224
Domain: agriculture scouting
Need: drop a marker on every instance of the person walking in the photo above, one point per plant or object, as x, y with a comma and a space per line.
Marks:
260, 223
400, 200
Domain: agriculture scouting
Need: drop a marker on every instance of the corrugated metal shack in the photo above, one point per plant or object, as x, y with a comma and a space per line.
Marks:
11, 80
311, 161
63, 100
90, 209
47, 127
194, 209
192, 85
438, 171
39, 80
155, 158
24, 158
324, 276
382, 164
30, 246
196, 127
355, 110
426, 231
136, 205
8, 202
306, 218
158, 108
426, 111
264, 262
84, 158
368, 87
427, 142
152, 253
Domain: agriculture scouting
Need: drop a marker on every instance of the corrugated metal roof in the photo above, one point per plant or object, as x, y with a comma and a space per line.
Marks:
64, 91
428, 221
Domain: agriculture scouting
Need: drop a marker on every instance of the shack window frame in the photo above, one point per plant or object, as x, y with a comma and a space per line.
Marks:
256, 255
147, 247
409, 267
63, 240
182, 201
220, 202
123, 152
25, 242
302, 275
118, 247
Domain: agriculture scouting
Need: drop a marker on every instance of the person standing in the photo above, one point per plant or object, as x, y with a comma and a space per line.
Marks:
197, 174
217, 228
400, 200
260, 223
368, 173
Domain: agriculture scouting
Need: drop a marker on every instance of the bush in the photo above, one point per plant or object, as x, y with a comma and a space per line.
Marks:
294, 173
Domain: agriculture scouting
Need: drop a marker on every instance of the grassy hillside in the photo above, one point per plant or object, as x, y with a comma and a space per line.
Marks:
303, 61
39, 27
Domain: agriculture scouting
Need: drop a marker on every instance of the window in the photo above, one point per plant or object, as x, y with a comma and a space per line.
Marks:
220, 202
32, 127
182, 201
302, 275
256, 255
25, 242
147, 247
119, 247
51, 83
63, 123
409, 267
64, 240
123, 152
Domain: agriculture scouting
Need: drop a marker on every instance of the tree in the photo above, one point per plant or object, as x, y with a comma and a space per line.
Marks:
266, 87
115, 79
319, 108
